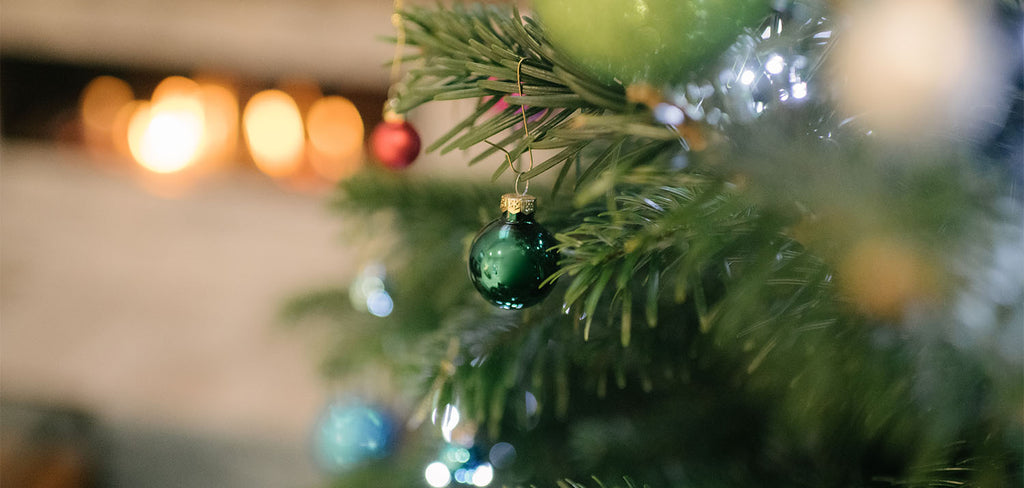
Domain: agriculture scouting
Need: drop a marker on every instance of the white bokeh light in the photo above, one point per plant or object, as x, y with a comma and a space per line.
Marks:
483, 475
449, 421
437, 475
800, 90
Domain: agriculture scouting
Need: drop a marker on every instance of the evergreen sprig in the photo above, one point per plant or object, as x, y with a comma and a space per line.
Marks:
490, 53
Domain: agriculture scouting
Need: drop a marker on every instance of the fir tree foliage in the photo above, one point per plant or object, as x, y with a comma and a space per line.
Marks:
708, 326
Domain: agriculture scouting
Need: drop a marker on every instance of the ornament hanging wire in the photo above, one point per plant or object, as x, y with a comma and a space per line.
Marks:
526, 129
396, 61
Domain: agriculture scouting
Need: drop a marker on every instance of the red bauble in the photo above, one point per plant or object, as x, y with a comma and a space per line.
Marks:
395, 144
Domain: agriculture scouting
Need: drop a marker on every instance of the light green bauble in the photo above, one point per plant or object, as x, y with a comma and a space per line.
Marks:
656, 41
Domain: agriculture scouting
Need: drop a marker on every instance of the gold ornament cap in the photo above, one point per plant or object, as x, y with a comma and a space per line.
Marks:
514, 203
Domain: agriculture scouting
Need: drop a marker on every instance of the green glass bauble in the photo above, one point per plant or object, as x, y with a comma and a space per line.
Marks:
512, 256
656, 41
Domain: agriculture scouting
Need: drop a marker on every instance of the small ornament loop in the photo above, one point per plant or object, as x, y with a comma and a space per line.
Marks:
525, 188
388, 114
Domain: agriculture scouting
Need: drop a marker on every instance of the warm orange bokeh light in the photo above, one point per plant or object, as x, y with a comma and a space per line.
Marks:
100, 102
274, 132
166, 135
119, 132
220, 105
175, 87
336, 135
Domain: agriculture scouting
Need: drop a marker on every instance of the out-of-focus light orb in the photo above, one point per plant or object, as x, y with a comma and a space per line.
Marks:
347, 435
747, 77
221, 107
530, 403
336, 133
165, 136
449, 421
100, 103
437, 475
502, 454
175, 87
455, 455
775, 64
368, 292
483, 475
119, 130
884, 276
800, 90
380, 304
274, 133
921, 67
668, 114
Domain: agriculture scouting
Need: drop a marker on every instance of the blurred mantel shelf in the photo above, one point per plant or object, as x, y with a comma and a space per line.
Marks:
334, 41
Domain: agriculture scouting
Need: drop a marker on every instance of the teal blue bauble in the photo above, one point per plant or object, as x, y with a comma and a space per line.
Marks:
511, 257
656, 41
348, 434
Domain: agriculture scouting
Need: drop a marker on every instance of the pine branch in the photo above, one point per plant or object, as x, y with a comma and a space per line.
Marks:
483, 52
567, 483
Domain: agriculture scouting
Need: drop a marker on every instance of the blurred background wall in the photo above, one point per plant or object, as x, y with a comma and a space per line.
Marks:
148, 243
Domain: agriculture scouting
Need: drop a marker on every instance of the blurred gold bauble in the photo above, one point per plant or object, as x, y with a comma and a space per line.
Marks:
883, 276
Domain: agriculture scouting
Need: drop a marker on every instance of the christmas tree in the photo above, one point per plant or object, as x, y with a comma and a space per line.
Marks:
742, 243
